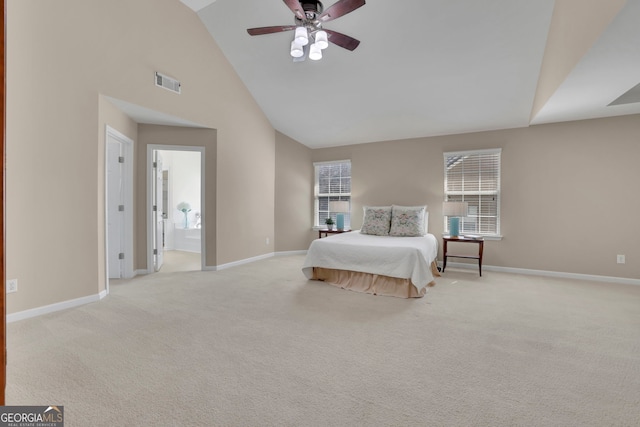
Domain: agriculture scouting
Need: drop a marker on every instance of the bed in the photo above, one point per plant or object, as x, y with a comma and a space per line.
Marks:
379, 260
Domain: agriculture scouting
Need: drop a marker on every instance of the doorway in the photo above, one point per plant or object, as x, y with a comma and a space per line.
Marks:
175, 206
118, 205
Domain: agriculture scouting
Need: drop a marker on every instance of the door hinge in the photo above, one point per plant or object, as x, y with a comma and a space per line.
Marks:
155, 165
121, 159
120, 208
155, 208
121, 255
155, 252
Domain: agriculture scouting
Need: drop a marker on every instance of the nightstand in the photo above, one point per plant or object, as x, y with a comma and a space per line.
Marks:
461, 239
326, 232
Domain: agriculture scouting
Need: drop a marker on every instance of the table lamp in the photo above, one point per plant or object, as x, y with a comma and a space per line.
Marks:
454, 210
340, 207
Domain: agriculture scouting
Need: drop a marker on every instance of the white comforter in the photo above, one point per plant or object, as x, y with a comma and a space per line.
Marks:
402, 257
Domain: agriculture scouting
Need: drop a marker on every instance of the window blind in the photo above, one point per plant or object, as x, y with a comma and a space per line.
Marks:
333, 183
474, 177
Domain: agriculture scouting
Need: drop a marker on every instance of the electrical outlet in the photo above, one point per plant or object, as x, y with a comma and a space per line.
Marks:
12, 285
620, 259
266, 242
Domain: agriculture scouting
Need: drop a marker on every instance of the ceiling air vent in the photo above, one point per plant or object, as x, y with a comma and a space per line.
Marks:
167, 82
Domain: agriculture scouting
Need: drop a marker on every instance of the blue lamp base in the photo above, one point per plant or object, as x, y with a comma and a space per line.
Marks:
340, 221
454, 226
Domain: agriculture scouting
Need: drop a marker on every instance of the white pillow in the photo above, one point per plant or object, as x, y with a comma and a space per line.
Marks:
408, 221
377, 220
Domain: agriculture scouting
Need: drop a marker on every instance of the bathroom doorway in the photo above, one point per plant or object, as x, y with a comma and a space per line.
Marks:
176, 208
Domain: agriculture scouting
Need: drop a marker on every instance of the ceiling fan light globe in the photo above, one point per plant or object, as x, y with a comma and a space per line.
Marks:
296, 50
301, 37
322, 40
315, 53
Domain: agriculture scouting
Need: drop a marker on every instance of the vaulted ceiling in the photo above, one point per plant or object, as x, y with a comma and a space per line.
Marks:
436, 67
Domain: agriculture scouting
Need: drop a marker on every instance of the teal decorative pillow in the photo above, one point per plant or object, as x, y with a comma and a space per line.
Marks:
407, 221
377, 220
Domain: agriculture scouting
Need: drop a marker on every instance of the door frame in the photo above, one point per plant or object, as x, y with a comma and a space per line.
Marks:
127, 176
157, 194
3, 328
149, 215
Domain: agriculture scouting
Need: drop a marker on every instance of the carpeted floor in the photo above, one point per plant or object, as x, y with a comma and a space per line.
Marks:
259, 345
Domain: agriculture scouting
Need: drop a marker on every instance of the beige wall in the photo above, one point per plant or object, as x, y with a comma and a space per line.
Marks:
569, 191
181, 136
294, 195
61, 57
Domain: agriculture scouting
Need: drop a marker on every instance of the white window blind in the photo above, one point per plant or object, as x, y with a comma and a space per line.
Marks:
333, 183
474, 177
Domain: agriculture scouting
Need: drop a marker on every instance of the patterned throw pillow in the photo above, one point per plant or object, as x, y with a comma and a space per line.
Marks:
377, 220
407, 221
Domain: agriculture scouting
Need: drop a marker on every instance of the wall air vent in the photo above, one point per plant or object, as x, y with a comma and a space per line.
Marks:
167, 82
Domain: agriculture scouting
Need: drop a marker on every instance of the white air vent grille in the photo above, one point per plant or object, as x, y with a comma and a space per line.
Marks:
167, 82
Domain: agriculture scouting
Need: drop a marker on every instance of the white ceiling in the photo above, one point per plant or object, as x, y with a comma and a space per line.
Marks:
423, 68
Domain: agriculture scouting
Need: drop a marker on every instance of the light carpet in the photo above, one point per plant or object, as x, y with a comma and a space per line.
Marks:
259, 345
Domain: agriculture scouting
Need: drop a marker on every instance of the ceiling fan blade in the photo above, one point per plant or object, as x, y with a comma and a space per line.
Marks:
339, 9
270, 30
296, 8
342, 40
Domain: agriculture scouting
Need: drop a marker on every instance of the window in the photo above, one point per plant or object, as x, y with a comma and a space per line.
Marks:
474, 177
333, 183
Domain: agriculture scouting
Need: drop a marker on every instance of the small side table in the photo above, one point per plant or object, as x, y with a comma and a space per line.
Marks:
326, 232
461, 239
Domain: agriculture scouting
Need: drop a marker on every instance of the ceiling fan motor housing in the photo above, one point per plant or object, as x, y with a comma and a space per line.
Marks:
311, 8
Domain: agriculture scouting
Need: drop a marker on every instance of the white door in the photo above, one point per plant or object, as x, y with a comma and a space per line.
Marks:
115, 209
158, 215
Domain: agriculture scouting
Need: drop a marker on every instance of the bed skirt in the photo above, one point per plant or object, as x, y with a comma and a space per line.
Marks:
375, 284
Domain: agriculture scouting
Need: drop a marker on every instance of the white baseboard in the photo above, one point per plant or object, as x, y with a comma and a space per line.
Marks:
253, 259
39, 311
287, 253
243, 261
249, 260
559, 274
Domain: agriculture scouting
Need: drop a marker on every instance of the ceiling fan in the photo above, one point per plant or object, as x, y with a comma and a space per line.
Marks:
309, 17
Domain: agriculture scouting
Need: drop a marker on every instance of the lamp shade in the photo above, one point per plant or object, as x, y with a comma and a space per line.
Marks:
455, 208
341, 206
315, 52
301, 37
296, 50
322, 40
